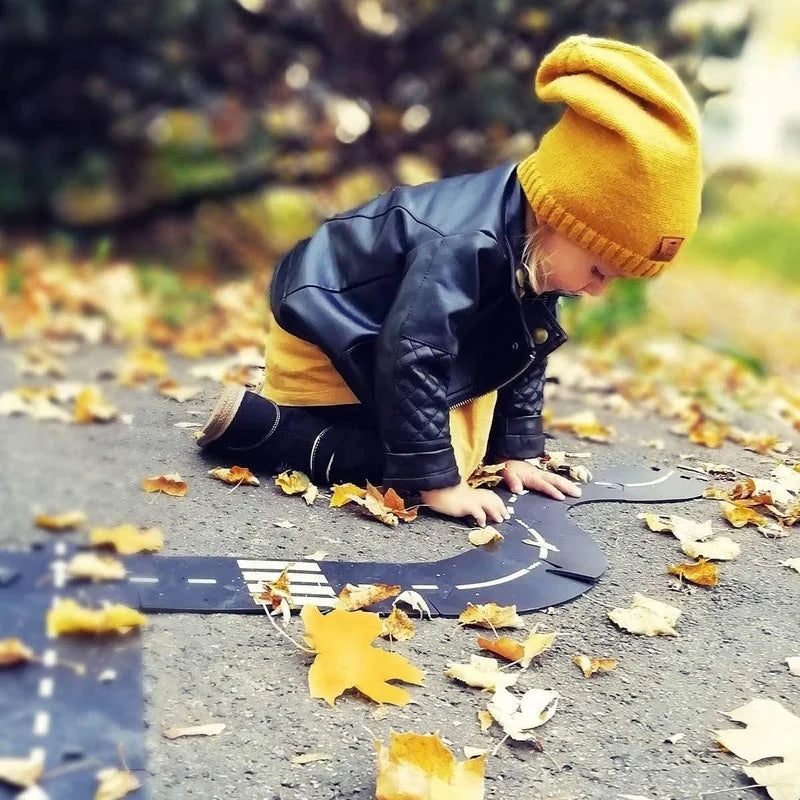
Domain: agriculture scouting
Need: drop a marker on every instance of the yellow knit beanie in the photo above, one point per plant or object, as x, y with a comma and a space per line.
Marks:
620, 173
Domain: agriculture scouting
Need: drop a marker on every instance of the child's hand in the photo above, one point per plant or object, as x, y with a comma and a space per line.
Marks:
462, 500
520, 475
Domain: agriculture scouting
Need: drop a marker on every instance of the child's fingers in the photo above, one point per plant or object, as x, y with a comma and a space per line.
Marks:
513, 481
565, 485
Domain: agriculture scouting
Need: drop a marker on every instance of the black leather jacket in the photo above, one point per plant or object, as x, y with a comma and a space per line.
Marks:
413, 298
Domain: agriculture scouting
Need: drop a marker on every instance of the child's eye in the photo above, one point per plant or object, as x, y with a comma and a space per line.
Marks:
597, 274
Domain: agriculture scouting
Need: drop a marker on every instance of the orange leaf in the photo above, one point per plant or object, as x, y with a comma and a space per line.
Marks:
278, 590
234, 475
171, 484
346, 658
91, 406
398, 626
397, 506
505, 647
703, 573
591, 665
14, 651
61, 522
739, 516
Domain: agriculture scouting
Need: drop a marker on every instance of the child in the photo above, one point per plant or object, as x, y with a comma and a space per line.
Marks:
410, 335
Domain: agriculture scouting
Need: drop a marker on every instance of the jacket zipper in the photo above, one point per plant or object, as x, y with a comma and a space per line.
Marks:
531, 359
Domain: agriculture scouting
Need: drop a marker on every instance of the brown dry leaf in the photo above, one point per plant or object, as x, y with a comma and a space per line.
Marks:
585, 425
739, 516
128, 540
210, 729
398, 626
397, 506
21, 772
234, 475
685, 530
352, 598
708, 432
762, 443
68, 617
419, 767
487, 475
113, 784
524, 652
14, 651
490, 615
519, 716
171, 484
141, 364
67, 520
481, 673
485, 719
346, 658
310, 758
91, 406
485, 535
589, 666
646, 616
703, 573
773, 732
345, 493
293, 481
92, 567
720, 548
39, 363
175, 391
277, 591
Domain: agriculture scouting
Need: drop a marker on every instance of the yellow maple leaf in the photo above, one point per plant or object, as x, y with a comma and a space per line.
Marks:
69, 617
703, 573
234, 475
589, 666
344, 493
14, 651
128, 540
92, 567
293, 481
352, 598
420, 767
346, 658
739, 515
114, 784
91, 406
490, 615
65, 521
171, 484
398, 626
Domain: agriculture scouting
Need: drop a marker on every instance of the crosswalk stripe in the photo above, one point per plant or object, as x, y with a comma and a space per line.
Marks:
322, 602
257, 588
295, 566
294, 577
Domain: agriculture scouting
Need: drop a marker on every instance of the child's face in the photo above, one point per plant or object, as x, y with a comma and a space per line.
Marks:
572, 269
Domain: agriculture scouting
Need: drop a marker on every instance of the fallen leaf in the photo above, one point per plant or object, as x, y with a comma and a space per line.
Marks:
490, 615
518, 716
523, 652
396, 505
721, 548
485, 719
739, 516
113, 784
415, 601
92, 567
171, 484
656, 444
210, 729
486, 475
584, 425
22, 772
128, 540
172, 389
646, 616
474, 752
67, 520
14, 651
310, 758
485, 535
481, 673
589, 666
317, 555
352, 598
310, 494
141, 364
283, 523
346, 658
685, 530
345, 493
792, 563
234, 475
68, 617
91, 406
794, 665
770, 731
293, 482
277, 591
397, 626
703, 573
418, 767
580, 473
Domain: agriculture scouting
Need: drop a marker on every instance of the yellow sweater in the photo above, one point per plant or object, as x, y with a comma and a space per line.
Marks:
300, 374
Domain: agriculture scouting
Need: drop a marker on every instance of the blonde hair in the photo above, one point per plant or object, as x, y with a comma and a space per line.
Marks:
535, 261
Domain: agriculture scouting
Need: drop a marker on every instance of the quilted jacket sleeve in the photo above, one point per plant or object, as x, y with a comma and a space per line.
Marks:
415, 352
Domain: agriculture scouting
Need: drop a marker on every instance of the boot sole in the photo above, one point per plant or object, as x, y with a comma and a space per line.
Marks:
222, 415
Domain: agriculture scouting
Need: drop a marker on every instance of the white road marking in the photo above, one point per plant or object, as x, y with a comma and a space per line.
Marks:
201, 580
606, 483
38, 754
59, 569
294, 577
544, 545
46, 687
322, 602
513, 498
257, 588
49, 658
41, 723
60, 548
653, 482
142, 579
432, 586
497, 581
510, 509
295, 566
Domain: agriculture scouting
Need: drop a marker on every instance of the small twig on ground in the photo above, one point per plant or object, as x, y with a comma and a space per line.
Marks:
724, 791
284, 634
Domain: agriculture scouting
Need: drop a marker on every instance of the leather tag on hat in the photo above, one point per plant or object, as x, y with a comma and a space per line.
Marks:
668, 248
